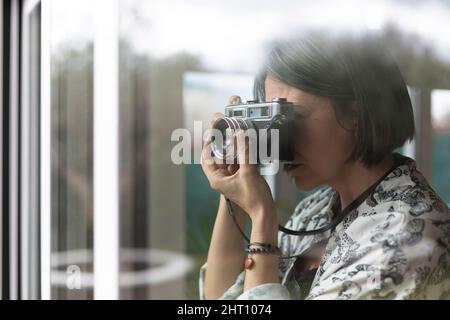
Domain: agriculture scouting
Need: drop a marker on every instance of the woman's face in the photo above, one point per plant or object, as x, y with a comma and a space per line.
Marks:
323, 146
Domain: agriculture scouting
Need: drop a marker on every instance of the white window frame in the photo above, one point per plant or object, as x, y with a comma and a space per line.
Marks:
106, 202
14, 153
29, 159
106, 144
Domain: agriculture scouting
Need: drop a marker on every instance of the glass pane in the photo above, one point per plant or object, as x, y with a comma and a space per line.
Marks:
440, 115
71, 111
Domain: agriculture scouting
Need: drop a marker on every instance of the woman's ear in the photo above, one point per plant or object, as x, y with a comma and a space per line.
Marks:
354, 116
349, 118
347, 115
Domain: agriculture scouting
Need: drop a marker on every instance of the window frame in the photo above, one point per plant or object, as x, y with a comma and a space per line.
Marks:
29, 213
19, 151
11, 168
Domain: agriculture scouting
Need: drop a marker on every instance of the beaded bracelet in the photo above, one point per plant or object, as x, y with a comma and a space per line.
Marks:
265, 248
262, 250
255, 248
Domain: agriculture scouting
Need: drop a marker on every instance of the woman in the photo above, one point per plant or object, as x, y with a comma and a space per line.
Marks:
391, 232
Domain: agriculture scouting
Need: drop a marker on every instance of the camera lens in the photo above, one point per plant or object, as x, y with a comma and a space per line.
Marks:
225, 148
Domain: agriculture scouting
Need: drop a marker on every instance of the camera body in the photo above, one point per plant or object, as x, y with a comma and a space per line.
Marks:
262, 117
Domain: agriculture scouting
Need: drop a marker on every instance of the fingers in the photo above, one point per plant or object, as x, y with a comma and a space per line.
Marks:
232, 168
215, 173
215, 116
208, 134
232, 100
247, 153
207, 157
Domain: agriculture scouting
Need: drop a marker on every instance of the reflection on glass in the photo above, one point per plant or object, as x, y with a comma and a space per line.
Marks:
440, 114
203, 94
71, 147
152, 213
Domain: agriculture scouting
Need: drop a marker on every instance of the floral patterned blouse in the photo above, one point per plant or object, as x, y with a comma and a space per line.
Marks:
395, 245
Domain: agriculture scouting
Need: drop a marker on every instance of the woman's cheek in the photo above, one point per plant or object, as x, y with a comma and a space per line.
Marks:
301, 140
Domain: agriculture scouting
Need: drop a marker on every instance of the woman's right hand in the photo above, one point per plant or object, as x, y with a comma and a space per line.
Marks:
218, 167
240, 182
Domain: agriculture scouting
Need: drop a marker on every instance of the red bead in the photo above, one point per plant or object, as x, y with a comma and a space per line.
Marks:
248, 263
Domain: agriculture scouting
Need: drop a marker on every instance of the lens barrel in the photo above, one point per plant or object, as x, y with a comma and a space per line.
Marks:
225, 147
227, 126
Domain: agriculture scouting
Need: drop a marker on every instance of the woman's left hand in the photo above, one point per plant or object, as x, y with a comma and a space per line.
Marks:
241, 183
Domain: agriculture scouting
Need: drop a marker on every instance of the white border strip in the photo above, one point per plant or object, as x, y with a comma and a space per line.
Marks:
45, 176
106, 143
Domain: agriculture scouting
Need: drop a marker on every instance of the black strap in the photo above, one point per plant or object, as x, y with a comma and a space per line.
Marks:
231, 212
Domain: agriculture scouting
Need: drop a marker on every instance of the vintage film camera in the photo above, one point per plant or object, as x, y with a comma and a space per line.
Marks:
262, 117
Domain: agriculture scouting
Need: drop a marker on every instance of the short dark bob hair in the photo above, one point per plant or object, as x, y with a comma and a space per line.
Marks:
362, 80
